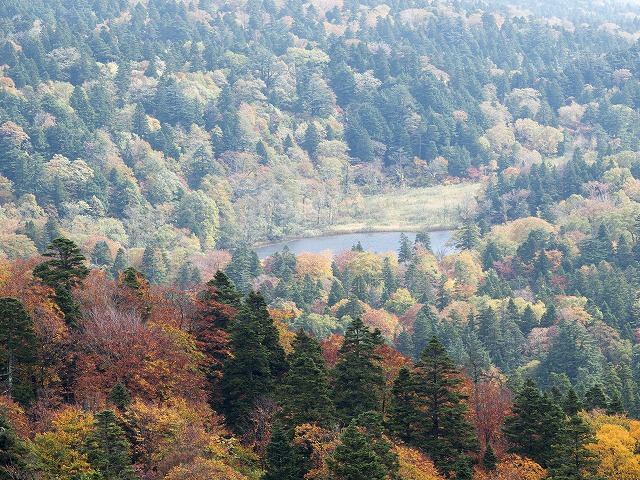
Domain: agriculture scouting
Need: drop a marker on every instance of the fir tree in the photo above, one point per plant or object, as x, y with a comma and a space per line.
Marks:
282, 460
406, 251
535, 425
257, 361
65, 270
336, 293
357, 377
18, 347
119, 263
119, 395
428, 409
102, 254
107, 449
355, 459
489, 458
304, 395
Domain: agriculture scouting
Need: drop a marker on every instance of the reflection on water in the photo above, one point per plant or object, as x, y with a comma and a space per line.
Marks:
378, 242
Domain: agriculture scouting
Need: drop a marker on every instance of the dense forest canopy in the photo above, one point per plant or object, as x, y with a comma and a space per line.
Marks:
145, 146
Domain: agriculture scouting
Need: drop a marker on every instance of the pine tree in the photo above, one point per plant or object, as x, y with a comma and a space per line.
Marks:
18, 347
304, 394
357, 377
282, 460
311, 140
65, 270
489, 458
594, 398
119, 395
355, 459
535, 426
119, 263
107, 449
447, 432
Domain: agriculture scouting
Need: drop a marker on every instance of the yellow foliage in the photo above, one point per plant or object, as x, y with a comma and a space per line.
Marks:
415, 465
203, 469
616, 446
316, 265
513, 467
58, 452
518, 230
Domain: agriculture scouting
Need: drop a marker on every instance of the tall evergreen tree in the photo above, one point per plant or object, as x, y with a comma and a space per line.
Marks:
357, 377
428, 409
535, 426
282, 460
257, 361
65, 270
108, 450
304, 394
18, 347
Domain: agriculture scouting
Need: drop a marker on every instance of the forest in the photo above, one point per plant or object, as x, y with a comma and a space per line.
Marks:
147, 146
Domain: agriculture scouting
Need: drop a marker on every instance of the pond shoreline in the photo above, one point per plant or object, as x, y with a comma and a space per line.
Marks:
377, 241
410, 229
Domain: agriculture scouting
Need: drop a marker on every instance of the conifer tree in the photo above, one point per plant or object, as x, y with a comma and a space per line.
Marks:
65, 270
18, 347
257, 361
489, 458
107, 449
336, 293
304, 394
119, 395
119, 263
282, 460
357, 377
354, 458
406, 251
535, 426
424, 328
428, 410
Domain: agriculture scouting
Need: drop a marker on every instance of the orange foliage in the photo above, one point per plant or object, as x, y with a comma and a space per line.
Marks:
513, 467
155, 361
204, 469
414, 465
490, 402
316, 265
386, 322
320, 442
170, 434
15, 415
330, 347
391, 362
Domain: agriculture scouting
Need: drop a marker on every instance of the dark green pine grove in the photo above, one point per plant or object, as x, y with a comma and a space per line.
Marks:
428, 409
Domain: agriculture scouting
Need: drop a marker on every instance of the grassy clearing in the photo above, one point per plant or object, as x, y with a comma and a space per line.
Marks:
436, 208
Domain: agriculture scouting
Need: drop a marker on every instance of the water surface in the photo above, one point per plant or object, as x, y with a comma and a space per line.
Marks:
378, 242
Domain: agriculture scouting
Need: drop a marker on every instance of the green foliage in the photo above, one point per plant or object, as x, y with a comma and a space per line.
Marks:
357, 377
428, 409
18, 349
304, 394
107, 449
63, 272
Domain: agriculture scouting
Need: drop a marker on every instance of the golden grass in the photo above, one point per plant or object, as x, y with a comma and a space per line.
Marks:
434, 208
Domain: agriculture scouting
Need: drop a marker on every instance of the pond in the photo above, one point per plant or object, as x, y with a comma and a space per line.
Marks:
378, 242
